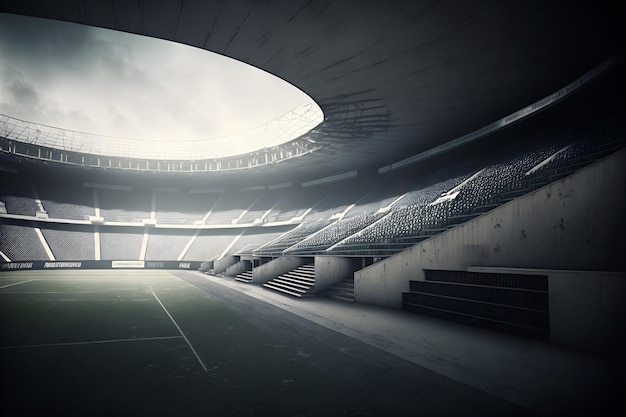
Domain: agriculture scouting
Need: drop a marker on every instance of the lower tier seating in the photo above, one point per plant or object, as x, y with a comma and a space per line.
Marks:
510, 303
21, 243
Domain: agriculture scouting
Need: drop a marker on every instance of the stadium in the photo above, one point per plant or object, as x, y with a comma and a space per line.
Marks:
446, 236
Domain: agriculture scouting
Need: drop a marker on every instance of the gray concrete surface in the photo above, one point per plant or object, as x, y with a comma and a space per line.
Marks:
442, 368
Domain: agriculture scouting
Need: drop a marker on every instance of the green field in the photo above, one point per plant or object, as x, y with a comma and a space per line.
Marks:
148, 343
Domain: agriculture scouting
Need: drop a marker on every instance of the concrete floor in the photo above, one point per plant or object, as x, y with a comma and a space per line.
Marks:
494, 373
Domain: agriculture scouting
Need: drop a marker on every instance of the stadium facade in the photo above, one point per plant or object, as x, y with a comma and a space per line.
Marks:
470, 165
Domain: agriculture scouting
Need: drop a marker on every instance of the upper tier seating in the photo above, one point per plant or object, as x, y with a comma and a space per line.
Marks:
182, 207
58, 210
253, 239
64, 203
342, 218
427, 214
276, 247
229, 207
404, 218
124, 206
294, 202
334, 233
263, 202
18, 198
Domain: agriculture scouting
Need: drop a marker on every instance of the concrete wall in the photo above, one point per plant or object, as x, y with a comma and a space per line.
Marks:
238, 268
576, 223
330, 270
205, 266
220, 265
270, 270
588, 310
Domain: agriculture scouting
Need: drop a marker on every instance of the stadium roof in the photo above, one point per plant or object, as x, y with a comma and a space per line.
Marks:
393, 78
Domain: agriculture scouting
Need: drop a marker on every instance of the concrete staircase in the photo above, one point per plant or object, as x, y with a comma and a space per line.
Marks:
509, 303
297, 283
245, 276
343, 290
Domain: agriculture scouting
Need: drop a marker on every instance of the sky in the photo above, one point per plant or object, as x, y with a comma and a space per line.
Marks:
115, 84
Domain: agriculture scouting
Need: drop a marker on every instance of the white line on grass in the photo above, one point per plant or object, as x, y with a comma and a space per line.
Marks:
71, 292
92, 342
17, 283
181, 332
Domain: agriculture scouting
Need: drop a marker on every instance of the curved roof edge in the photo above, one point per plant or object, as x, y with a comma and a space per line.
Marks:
506, 121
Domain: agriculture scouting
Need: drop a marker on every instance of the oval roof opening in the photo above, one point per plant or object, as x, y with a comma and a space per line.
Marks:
129, 95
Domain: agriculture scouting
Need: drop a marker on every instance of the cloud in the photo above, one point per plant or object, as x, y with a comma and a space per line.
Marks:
115, 84
17, 89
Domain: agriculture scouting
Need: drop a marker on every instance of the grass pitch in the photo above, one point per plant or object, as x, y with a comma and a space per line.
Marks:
147, 343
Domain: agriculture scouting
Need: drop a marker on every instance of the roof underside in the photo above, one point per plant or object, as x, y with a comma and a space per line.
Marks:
393, 78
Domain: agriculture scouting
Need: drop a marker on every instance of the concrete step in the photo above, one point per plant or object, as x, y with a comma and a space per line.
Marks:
290, 283
343, 294
344, 286
287, 286
284, 290
299, 278
303, 273
244, 276
343, 290
342, 297
296, 282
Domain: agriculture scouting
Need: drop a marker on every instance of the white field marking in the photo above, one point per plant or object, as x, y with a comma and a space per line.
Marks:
176, 273
93, 342
92, 277
17, 283
181, 332
111, 293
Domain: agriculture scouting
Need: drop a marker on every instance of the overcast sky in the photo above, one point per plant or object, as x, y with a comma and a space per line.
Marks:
111, 83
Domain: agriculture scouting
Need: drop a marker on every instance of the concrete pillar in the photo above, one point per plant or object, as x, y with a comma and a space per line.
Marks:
205, 266
238, 268
220, 265
329, 270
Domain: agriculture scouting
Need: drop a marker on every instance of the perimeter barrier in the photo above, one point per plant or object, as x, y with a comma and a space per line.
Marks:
37, 265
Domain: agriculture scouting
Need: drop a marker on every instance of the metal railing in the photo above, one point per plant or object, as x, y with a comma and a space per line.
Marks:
285, 128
